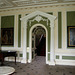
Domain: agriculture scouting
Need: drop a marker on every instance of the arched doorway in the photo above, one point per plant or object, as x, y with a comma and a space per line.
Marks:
39, 41
46, 41
48, 26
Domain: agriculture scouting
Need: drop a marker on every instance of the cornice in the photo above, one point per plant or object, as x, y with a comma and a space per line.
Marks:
38, 6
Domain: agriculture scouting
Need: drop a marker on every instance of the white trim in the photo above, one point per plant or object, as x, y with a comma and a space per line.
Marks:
30, 40
22, 15
61, 61
16, 31
65, 54
65, 62
59, 4
25, 43
66, 29
56, 31
50, 17
50, 63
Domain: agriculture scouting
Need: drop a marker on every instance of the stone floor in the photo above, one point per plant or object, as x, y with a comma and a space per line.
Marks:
38, 67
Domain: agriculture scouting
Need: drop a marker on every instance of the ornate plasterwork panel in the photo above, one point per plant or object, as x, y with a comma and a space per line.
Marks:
38, 15
21, 3
38, 18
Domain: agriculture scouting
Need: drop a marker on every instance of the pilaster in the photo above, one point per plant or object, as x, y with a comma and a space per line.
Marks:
24, 60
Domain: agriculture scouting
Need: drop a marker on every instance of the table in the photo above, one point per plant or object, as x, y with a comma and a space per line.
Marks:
4, 54
6, 70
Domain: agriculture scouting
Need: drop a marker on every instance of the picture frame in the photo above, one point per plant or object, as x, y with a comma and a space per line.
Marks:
71, 36
7, 36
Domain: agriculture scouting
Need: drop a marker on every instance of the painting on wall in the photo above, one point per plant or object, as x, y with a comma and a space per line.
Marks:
71, 36
7, 36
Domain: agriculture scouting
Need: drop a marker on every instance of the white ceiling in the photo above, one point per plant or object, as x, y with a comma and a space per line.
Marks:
4, 4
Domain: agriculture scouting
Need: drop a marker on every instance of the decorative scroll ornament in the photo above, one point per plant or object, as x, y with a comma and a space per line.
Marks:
38, 18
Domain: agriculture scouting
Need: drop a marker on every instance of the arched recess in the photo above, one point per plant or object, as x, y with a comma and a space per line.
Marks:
30, 40
38, 17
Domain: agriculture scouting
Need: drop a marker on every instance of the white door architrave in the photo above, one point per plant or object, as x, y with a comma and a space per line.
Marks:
30, 39
38, 18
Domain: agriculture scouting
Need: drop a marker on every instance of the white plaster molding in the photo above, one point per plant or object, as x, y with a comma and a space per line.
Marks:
66, 28
29, 61
51, 18
16, 32
65, 62
65, 54
52, 63
30, 39
22, 31
38, 18
56, 31
52, 55
39, 6
24, 60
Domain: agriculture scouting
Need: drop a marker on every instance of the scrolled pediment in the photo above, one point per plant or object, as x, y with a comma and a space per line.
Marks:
38, 17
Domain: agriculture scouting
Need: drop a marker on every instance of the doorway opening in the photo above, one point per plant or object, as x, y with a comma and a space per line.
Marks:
40, 40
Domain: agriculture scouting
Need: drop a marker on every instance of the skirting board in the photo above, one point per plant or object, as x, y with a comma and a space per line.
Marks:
50, 63
65, 62
57, 62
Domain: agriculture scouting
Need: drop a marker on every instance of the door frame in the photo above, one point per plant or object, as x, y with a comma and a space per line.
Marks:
38, 18
30, 40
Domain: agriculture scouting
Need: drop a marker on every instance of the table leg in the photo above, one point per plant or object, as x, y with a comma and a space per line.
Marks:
15, 60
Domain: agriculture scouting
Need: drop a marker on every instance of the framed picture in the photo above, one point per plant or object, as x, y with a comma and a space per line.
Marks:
71, 36
7, 36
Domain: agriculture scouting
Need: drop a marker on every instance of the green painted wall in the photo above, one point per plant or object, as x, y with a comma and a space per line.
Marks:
68, 57
19, 31
48, 57
71, 21
71, 18
57, 57
27, 55
59, 30
7, 21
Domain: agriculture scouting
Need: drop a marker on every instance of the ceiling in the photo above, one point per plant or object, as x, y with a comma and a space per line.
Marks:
4, 4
